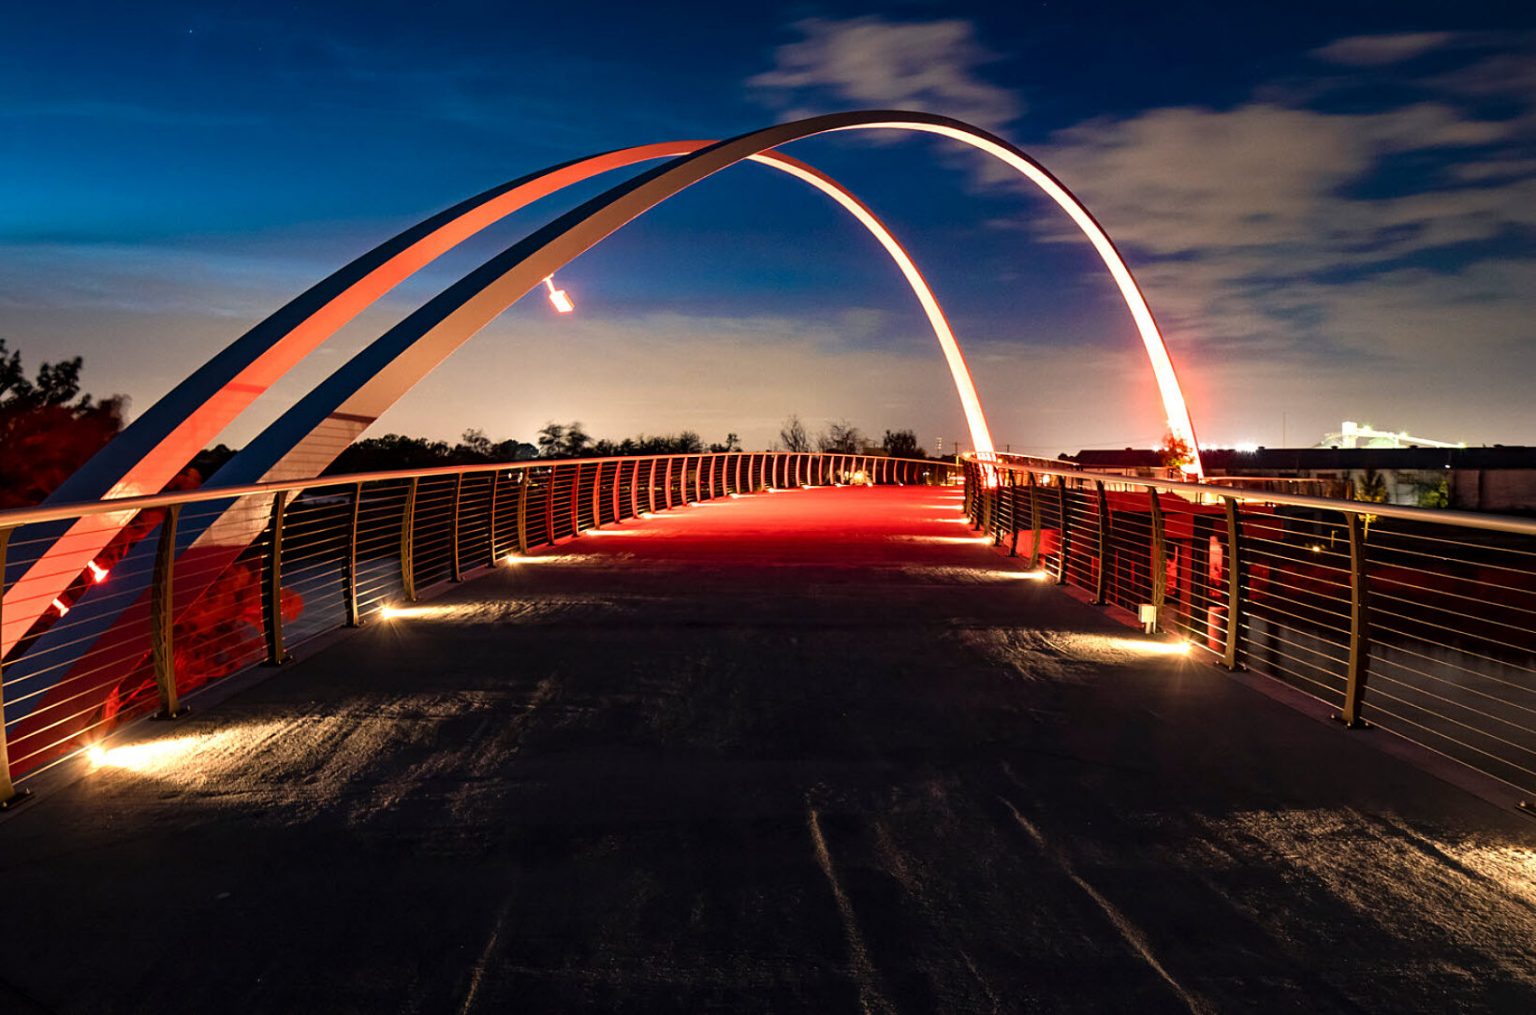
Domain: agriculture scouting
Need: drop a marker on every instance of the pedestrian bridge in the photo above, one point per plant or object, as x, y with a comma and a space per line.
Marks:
769, 731
743, 731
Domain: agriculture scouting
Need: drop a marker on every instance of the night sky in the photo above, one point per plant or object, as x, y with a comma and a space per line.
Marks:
1331, 206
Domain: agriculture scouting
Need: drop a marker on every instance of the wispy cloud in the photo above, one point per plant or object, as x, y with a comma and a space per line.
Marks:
1282, 239
933, 66
1380, 50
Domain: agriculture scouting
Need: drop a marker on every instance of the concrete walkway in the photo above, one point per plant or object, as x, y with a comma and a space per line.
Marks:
816, 750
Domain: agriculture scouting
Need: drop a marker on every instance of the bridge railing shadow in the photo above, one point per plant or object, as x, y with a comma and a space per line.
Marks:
203, 583
1419, 621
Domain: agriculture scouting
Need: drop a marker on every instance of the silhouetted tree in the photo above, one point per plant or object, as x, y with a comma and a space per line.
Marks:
793, 436
902, 444
474, 446
48, 429
1174, 452
391, 451
732, 443
563, 441
841, 437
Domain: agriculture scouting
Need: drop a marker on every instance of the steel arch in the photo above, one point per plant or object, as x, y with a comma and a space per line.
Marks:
357, 393
155, 447
379, 375
223, 536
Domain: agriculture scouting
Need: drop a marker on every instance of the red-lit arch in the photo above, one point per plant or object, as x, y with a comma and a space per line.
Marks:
229, 383
340, 407
182, 424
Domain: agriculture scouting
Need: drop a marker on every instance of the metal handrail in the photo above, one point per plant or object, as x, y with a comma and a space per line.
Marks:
1440, 516
313, 564
11, 518
1324, 598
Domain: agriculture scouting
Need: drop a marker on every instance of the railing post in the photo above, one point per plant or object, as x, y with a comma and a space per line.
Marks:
634, 487
1101, 585
1159, 558
740, 458
408, 542
272, 588
1359, 626
10, 796
1065, 500
597, 495
650, 488
576, 502
349, 566
698, 478
1234, 587
1034, 522
1013, 483
454, 572
490, 518
549, 507
997, 509
615, 501
524, 484
162, 614
670, 460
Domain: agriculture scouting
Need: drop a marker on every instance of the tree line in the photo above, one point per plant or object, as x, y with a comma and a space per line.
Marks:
49, 428
571, 440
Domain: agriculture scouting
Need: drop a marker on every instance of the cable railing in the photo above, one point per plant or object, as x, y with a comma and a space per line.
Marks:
1420, 621
200, 584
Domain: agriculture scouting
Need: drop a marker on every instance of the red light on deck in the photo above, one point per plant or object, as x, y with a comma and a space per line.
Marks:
98, 573
58, 604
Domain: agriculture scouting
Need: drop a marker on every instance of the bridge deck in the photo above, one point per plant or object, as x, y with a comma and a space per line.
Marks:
816, 749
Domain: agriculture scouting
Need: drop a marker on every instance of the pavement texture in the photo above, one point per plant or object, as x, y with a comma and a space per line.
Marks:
814, 750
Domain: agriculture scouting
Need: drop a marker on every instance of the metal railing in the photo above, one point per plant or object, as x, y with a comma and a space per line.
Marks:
205, 582
1420, 621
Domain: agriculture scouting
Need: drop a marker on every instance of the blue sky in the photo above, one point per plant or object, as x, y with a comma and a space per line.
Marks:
1329, 205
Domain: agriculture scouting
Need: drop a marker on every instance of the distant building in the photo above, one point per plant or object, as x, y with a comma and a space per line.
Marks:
1499, 479
1357, 435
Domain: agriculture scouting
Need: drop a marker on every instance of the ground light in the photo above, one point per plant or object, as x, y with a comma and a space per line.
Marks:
413, 612
1150, 647
150, 756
